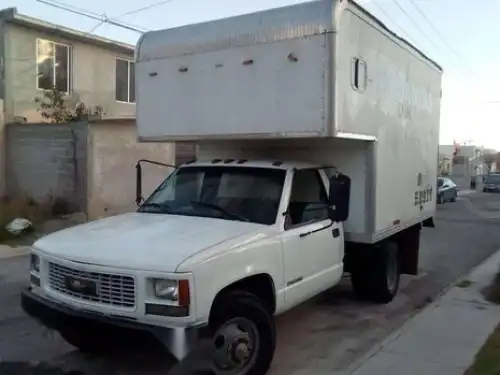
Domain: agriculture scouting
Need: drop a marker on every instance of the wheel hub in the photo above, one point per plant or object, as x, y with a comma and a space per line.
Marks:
241, 352
233, 347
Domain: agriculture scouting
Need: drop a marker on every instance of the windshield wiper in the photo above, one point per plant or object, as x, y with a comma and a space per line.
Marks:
216, 207
163, 207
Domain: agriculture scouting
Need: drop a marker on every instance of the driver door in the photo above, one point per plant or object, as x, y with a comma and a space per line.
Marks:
313, 247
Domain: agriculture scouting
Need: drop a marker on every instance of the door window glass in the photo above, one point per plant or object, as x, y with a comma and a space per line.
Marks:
308, 200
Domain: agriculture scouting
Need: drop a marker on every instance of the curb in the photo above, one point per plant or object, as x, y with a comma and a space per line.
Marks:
467, 194
394, 335
7, 252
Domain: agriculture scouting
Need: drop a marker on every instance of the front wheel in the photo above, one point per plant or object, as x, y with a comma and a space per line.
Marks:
244, 335
376, 274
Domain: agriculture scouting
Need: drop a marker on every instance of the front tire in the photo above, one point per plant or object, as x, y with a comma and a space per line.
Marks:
244, 334
376, 274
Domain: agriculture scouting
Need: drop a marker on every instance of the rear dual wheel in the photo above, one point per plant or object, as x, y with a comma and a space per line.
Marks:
376, 273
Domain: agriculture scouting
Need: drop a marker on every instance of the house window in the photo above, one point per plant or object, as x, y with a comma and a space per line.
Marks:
359, 74
53, 65
125, 81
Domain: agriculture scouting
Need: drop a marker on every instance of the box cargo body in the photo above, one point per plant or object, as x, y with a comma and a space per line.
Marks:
379, 207
325, 80
311, 70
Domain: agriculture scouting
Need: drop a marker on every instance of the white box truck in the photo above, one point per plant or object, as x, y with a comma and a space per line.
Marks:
317, 139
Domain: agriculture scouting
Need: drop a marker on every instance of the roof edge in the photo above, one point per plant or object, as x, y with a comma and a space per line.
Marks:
374, 18
11, 15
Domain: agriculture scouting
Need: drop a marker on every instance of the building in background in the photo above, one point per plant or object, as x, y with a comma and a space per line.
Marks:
468, 164
445, 165
38, 55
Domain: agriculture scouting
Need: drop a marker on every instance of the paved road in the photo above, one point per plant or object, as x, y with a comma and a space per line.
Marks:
326, 334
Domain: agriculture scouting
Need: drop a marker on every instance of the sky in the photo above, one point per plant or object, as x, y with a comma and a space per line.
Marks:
460, 35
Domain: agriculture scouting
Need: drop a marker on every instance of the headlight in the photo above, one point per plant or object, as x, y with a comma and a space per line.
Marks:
35, 262
166, 289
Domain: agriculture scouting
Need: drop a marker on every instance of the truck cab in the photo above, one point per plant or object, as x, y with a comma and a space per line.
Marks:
280, 208
256, 236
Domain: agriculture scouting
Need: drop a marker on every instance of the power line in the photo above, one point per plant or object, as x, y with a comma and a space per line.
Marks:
92, 15
147, 7
438, 33
36, 62
86, 12
415, 23
403, 31
83, 12
457, 55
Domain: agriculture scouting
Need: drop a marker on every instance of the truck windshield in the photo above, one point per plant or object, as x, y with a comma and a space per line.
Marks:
231, 193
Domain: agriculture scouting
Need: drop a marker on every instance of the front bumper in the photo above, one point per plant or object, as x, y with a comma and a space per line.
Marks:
55, 315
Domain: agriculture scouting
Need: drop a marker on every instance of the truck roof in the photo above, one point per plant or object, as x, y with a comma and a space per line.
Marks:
308, 18
273, 164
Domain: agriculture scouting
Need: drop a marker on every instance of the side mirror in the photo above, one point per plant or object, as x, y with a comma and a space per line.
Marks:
138, 182
339, 196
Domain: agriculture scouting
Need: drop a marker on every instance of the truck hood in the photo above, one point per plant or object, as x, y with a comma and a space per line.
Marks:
141, 241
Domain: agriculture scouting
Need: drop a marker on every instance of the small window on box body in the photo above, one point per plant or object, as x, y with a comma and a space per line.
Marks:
359, 74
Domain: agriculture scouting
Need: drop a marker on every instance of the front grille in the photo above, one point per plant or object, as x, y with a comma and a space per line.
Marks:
103, 288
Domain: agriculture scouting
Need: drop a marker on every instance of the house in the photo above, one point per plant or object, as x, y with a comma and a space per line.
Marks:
445, 165
36, 55
467, 163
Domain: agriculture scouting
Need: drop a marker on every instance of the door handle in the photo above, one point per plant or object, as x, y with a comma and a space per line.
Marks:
335, 232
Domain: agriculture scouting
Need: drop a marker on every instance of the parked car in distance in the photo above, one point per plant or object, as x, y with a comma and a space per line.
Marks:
447, 190
492, 183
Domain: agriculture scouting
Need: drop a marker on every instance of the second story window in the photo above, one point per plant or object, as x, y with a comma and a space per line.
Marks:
125, 81
53, 65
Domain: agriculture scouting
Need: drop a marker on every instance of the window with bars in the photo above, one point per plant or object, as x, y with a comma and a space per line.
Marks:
125, 81
53, 65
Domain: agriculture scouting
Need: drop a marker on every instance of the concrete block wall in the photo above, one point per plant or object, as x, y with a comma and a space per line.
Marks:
113, 151
47, 161
89, 165
184, 152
